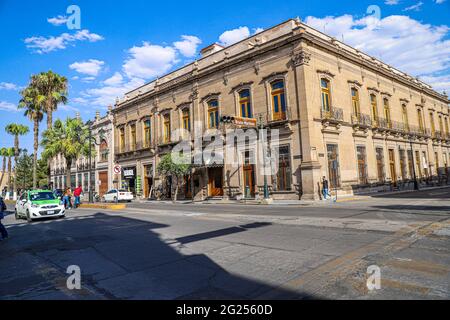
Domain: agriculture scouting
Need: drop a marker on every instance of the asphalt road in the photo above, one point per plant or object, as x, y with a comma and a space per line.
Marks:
206, 251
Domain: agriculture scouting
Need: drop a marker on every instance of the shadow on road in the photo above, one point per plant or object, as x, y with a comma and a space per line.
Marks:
119, 258
425, 194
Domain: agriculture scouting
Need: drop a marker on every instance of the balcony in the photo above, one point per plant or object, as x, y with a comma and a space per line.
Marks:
335, 115
85, 166
361, 120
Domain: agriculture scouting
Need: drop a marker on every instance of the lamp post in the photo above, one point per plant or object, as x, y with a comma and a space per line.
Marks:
91, 140
416, 184
261, 128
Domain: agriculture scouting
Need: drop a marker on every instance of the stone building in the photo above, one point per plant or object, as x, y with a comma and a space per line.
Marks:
102, 162
340, 113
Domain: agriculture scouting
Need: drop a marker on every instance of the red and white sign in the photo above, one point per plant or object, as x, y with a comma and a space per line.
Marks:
117, 169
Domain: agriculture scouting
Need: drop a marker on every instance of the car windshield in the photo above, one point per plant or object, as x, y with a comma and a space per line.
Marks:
40, 196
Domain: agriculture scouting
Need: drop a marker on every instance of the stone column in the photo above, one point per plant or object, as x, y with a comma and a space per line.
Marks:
310, 167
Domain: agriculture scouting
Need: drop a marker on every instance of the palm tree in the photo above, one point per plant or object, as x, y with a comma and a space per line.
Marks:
16, 130
3, 153
69, 138
53, 89
10, 153
32, 102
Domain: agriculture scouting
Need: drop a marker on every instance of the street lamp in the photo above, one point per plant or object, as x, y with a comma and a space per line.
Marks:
91, 140
261, 128
416, 184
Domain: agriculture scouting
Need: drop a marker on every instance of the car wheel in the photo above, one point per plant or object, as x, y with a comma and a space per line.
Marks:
16, 215
115, 200
29, 217
103, 199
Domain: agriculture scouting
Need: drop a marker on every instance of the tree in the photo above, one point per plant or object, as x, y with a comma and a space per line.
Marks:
16, 130
24, 170
176, 166
10, 154
32, 102
53, 90
69, 138
4, 154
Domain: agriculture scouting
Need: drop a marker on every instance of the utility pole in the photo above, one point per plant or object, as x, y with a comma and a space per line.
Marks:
91, 198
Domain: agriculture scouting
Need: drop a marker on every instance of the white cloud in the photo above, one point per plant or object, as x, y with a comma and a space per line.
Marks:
232, 36
415, 7
188, 46
149, 61
115, 80
57, 21
7, 106
407, 44
68, 108
440, 1
90, 67
106, 95
87, 79
48, 44
391, 2
439, 83
8, 86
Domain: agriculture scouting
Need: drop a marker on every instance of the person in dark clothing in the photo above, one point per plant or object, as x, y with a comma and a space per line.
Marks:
3, 231
325, 190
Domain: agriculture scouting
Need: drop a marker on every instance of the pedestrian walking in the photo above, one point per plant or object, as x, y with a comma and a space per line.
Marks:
3, 208
325, 190
77, 194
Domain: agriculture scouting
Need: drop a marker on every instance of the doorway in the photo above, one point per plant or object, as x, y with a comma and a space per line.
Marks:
392, 166
103, 187
249, 181
215, 182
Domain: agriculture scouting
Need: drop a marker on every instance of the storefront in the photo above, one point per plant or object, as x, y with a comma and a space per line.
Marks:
129, 179
148, 181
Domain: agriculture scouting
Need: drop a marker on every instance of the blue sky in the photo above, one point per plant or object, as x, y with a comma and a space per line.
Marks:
122, 45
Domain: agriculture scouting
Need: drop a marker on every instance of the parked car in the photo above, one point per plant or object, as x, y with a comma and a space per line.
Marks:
116, 195
38, 204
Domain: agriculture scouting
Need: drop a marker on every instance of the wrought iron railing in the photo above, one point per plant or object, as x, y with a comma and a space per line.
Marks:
335, 114
361, 119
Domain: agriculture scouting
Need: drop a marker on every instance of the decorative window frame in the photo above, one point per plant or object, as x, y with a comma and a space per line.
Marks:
327, 75
204, 101
354, 84
267, 80
374, 91
162, 115
236, 91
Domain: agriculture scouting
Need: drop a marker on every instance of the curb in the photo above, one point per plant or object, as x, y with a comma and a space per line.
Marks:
103, 206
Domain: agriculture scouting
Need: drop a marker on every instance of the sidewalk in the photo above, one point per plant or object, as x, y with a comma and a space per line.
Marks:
343, 198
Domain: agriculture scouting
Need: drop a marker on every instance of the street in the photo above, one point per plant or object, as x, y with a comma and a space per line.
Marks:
229, 251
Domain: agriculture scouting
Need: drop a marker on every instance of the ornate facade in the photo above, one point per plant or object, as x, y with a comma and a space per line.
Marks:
340, 113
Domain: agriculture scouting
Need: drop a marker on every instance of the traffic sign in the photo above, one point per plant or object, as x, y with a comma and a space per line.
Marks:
117, 169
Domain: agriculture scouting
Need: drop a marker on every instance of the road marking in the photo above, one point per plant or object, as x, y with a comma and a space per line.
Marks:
419, 266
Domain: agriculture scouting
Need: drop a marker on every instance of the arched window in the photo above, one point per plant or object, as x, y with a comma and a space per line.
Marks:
405, 117
186, 119
147, 133
387, 112
355, 101
213, 114
278, 100
374, 107
245, 103
104, 151
326, 97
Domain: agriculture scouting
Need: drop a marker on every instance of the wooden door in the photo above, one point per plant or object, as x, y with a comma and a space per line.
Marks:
249, 180
392, 165
215, 183
103, 188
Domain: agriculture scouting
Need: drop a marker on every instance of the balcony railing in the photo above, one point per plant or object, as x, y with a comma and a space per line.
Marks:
361, 119
335, 114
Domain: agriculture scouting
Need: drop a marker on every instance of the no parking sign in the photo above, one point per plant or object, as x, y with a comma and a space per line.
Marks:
117, 169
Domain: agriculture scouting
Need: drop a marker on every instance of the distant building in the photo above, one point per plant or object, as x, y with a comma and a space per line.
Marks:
102, 162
